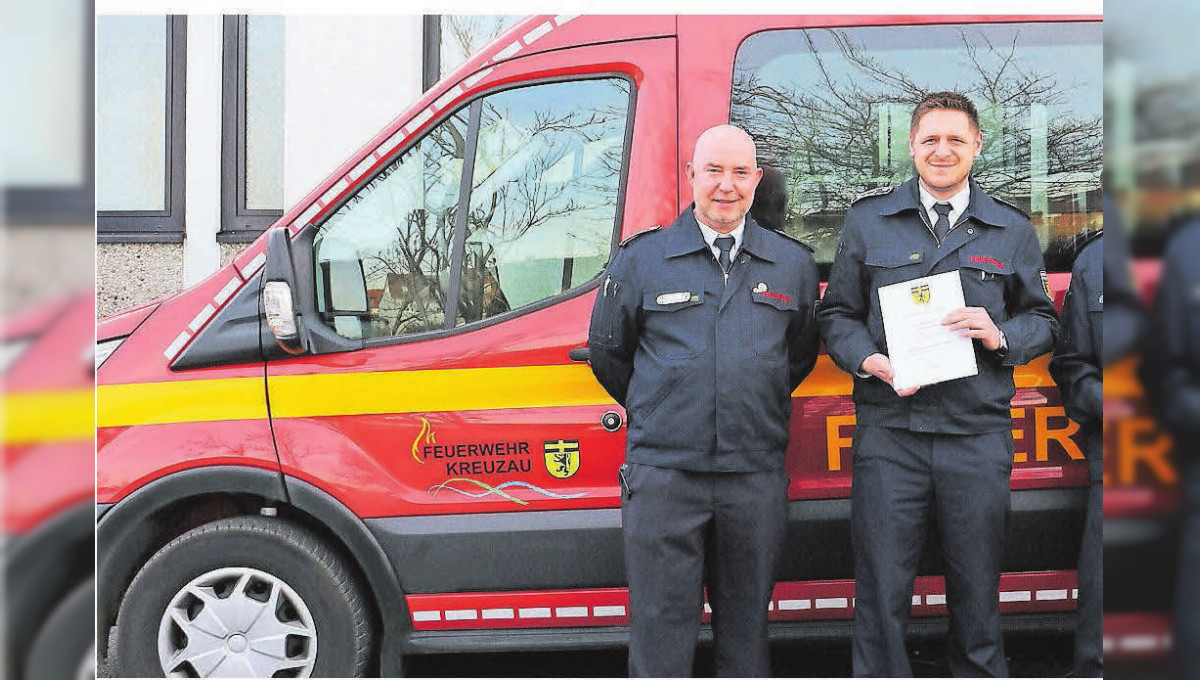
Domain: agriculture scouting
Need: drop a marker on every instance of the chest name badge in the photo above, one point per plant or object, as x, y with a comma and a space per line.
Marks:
674, 298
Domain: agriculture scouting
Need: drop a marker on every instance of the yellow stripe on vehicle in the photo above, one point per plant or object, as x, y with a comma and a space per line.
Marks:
50, 416
466, 389
1121, 380
181, 401
827, 380
348, 394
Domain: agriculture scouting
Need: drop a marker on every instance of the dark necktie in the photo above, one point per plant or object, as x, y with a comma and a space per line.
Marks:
724, 244
942, 226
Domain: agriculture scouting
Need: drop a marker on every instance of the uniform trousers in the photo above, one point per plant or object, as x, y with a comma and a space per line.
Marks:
1089, 633
684, 530
1185, 624
904, 483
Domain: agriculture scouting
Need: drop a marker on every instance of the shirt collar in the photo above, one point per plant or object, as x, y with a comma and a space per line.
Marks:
958, 202
710, 235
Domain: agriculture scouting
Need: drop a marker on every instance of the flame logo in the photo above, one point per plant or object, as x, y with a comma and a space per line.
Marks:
425, 434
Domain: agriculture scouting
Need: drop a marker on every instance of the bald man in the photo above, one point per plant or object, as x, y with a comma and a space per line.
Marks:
702, 331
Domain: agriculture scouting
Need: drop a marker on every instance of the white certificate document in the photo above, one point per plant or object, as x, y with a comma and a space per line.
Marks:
921, 349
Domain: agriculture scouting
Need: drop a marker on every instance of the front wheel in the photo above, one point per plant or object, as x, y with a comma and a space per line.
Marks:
246, 597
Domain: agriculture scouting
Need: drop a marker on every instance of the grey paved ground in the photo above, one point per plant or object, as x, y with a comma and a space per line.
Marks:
1040, 656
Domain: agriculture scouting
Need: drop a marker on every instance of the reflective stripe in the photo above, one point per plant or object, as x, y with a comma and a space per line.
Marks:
181, 401
470, 389
342, 394
50, 416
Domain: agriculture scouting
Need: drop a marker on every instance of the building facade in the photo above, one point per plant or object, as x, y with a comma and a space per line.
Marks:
208, 127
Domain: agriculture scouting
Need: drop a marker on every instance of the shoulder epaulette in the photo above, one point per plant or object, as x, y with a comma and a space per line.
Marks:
640, 233
1004, 202
877, 191
795, 240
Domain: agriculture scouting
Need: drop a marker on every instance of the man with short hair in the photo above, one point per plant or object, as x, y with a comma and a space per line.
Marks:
702, 331
942, 451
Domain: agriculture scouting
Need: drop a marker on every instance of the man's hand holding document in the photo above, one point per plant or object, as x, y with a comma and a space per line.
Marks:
922, 350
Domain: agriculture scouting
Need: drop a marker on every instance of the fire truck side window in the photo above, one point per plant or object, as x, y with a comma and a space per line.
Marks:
540, 214
543, 195
396, 236
830, 108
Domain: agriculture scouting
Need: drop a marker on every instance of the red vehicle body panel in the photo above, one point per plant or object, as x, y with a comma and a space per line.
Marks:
48, 451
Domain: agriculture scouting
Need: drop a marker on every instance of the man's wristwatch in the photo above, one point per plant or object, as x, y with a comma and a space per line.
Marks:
1002, 350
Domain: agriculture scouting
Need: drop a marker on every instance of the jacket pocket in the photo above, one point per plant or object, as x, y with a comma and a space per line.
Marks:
675, 324
770, 313
985, 280
669, 382
890, 265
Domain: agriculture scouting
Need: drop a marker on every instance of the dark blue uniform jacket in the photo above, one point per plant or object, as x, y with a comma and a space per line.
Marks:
887, 239
705, 368
1171, 361
1076, 363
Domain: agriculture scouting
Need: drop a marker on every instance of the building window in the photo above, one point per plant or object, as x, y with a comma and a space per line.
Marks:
140, 63
450, 40
46, 64
252, 126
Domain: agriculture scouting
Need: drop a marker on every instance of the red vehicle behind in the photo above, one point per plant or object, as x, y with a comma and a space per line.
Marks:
48, 514
375, 432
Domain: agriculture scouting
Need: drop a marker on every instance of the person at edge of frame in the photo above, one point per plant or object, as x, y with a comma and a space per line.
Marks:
702, 331
1089, 341
1170, 372
942, 450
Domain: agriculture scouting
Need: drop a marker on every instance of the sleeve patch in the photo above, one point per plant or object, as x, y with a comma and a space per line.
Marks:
1046, 284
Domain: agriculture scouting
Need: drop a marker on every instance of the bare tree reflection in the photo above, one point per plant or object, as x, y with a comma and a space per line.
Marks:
846, 133
544, 189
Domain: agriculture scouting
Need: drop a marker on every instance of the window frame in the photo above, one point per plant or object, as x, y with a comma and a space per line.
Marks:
470, 105
167, 225
67, 204
239, 224
431, 50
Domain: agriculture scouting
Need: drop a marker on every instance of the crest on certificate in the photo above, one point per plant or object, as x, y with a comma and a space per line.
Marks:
920, 293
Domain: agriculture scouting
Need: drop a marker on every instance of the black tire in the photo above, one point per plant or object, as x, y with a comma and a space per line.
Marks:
281, 549
64, 647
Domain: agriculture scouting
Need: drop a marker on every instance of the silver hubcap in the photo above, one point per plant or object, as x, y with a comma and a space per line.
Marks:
237, 622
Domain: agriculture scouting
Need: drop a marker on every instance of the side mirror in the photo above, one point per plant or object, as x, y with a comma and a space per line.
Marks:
278, 302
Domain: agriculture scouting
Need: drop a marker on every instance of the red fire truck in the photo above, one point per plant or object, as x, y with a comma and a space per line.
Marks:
375, 434
47, 516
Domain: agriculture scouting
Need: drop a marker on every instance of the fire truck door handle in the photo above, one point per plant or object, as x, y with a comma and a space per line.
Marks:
580, 354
